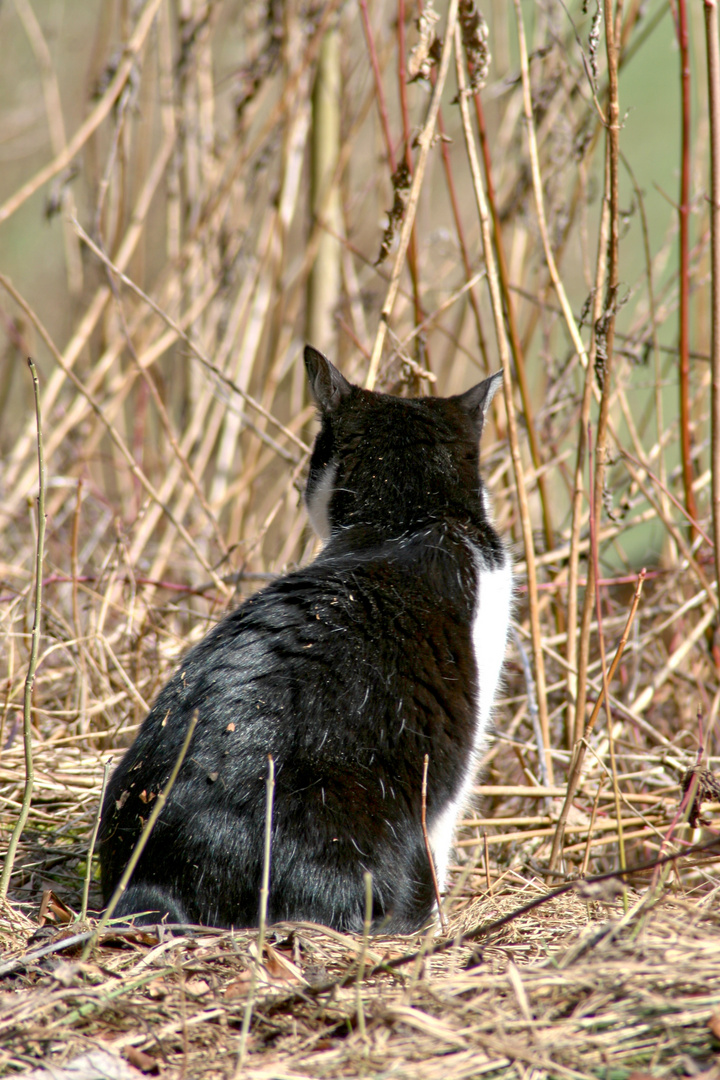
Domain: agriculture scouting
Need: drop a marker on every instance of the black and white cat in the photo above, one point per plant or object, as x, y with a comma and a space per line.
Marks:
386, 648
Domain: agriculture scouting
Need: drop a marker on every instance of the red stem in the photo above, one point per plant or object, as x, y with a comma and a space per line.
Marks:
513, 335
385, 123
382, 107
412, 246
461, 236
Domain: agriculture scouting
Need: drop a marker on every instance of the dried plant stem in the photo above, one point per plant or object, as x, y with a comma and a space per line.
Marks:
34, 646
713, 66
594, 518
199, 353
96, 117
424, 143
538, 193
428, 848
576, 764
93, 313
385, 124
684, 269
578, 507
652, 312
504, 352
142, 839
573, 681
367, 922
82, 918
264, 894
513, 333
112, 432
324, 279
613, 167
452, 193
56, 130
407, 142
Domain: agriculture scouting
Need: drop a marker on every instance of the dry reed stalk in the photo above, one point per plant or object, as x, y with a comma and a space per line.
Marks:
99, 113
264, 894
581, 746
509, 407
428, 848
681, 28
22, 817
713, 69
56, 129
424, 142
604, 360
142, 839
513, 332
111, 430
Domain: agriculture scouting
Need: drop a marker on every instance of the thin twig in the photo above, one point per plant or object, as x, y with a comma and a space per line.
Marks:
367, 922
513, 332
580, 747
142, 839
713, 67
594, 519
34, 646
111, 430
96, 117
681, 27
82, 918
503, 350
604, 362
428, 849
264, 893
425, 140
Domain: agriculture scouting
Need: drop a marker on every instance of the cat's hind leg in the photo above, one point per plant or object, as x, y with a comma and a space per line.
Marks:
150, 904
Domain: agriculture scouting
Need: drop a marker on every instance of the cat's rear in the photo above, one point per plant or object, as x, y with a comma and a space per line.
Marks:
386, 648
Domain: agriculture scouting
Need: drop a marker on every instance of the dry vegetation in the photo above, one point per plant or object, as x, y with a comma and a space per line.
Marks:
209, 208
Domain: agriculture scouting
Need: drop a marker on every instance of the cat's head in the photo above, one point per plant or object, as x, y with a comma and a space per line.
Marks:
393, 464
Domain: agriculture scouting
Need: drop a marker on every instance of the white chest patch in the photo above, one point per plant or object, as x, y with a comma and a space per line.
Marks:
490, 625
319, 500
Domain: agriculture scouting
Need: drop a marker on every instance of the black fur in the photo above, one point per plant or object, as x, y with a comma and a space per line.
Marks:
347, 671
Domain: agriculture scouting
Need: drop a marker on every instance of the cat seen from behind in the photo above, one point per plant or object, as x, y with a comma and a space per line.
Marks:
386, 648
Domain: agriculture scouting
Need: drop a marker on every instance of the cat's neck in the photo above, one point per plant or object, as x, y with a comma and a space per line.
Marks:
445, 533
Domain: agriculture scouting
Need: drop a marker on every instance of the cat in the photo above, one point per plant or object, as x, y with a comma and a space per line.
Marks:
387, 647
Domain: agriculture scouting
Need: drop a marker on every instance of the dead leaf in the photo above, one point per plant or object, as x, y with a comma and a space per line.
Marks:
66, 973
238, 987
144, 1062
475, 36
401, 182
87, 1067
157, 990
714, 1024
196, 987
425, 54
53, 910
279, 967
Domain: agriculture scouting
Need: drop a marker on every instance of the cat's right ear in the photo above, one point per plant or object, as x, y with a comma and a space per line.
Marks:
327, 385
476, 401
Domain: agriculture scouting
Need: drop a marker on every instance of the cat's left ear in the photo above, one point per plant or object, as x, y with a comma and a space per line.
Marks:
327, 385
476, 400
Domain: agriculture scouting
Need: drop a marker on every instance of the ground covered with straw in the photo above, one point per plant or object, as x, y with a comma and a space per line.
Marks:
184, 203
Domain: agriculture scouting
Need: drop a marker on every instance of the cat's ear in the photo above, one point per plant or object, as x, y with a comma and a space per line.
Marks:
327, 385
476, 400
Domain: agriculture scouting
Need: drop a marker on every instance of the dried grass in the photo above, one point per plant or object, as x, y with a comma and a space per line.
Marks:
176, 433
